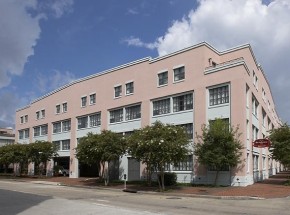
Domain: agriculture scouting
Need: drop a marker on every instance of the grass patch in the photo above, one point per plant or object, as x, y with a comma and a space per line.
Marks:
287, 183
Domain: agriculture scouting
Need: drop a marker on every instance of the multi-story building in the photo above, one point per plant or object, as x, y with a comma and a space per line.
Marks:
7, 136
188, 87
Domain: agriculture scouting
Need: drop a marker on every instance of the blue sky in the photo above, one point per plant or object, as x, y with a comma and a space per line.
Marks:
47, 43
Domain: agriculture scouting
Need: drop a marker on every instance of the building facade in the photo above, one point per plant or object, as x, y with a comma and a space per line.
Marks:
7, 136
188, 88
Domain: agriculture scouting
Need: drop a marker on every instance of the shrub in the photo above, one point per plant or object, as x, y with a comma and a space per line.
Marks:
170, 178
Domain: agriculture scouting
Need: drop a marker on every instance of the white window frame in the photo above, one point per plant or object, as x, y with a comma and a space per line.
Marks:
93, 98
42, 113
37, 115
84, 104
178, 68
158, 78
126, 88
57, 109
64, 107
115, 87
226, 98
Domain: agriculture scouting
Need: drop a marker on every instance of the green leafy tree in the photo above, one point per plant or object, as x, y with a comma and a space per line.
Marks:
218, 146
101, 148
158, 145
40, 152
280, 144
16, 154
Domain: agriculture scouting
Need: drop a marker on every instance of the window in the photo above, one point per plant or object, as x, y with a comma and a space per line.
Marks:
21, 134
219, 95
255, 105
84, 101
161, 107
66, 125
255, 133
64, 107
225, 120
26, 133
83, 122
26, 118
264, 122
116, 115
92, 99
163, 78
43, 113
37, 115
256, 164
189, 129
181, 103
36, 132
179, 74
56, 127
21, 120
65, 144
95, 120
57, 144
185, 165
133, 112
118, 91
44, 130
129, 88
57, 109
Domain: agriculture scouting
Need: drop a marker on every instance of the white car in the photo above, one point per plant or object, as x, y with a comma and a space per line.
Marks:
63, 171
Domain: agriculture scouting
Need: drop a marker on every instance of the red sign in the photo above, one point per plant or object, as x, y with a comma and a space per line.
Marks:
261, 143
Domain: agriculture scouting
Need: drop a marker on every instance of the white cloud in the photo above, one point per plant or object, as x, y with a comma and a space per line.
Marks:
226, 24
60, 7
19, 33
55, 79
134, 41
132, 11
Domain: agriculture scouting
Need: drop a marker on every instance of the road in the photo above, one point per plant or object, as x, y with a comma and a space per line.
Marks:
30, 198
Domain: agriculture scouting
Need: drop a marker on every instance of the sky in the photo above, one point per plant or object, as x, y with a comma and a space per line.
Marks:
45, 44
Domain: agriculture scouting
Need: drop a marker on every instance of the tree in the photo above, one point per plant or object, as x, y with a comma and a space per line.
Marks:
158, 145
280, 144
101, 148
40, 152
218, 146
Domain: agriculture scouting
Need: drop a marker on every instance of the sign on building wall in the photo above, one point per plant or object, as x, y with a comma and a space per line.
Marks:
261, 143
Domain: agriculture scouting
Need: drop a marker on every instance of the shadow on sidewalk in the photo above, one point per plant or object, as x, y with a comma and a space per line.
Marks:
279, 179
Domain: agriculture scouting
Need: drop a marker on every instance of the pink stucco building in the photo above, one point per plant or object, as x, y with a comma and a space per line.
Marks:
188, 87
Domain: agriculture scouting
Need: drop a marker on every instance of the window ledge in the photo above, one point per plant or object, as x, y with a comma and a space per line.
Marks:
129, 94
118, 97
219, 105
163, 85
176, 82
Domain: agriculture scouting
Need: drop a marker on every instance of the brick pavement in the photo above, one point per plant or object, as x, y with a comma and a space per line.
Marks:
269, 188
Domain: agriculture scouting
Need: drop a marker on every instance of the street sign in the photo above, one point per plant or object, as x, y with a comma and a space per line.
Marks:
261, 143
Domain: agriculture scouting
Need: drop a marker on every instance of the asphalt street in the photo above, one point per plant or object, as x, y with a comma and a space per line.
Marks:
32, 198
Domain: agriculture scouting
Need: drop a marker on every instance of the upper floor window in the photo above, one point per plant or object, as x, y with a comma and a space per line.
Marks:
219, 95
21, 119
133, 112
118, 91
84, 101
179, 74
56, 127
116, 115
43, 113
161, 106
64, 107
184, 102
95, 120
37, 115
25, 118
21, 134
255, 106
163, 78
92, 99
66, 125
129, 88
264, 115
57, 109
255, 80
83, 122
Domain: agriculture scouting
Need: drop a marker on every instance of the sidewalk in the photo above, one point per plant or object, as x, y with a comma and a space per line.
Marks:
269, 188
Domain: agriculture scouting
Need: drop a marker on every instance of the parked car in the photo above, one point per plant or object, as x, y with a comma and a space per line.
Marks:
63, 171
